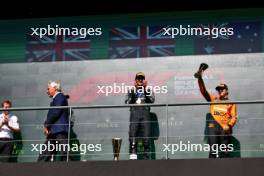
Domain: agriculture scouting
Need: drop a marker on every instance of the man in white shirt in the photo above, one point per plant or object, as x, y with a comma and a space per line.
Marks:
8, 125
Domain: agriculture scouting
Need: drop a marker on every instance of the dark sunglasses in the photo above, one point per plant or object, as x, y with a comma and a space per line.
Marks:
140, 78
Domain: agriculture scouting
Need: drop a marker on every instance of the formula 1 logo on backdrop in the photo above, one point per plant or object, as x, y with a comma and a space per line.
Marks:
184, 85
94, 87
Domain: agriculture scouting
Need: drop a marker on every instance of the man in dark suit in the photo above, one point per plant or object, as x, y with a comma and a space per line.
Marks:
56, 126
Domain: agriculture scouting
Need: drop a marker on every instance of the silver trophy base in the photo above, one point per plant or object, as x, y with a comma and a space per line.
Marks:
133, 157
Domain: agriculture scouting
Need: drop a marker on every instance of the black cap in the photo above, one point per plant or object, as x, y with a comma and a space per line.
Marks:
140, 74
221, 86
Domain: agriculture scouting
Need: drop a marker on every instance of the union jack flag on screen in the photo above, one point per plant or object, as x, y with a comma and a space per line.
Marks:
57, 48
140, 41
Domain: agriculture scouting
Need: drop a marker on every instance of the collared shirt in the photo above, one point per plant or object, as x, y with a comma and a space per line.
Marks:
55, 94
5, 131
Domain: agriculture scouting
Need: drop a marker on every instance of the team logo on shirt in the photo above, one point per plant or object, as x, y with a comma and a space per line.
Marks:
220, 111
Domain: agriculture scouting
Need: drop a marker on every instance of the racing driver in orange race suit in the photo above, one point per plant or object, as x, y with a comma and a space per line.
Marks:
222, 119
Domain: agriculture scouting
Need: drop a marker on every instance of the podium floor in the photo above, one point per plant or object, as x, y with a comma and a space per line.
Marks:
186, 167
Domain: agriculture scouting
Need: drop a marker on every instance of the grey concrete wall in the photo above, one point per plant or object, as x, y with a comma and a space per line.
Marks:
25, 84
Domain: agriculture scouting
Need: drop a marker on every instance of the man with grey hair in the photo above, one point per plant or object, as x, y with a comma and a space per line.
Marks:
56, 124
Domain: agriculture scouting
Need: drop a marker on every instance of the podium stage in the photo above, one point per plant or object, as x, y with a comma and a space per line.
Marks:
186, 167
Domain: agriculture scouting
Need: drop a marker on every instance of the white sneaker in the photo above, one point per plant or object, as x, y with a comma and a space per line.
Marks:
133, 157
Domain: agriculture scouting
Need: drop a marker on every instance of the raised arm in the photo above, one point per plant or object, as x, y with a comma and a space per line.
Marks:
203, 90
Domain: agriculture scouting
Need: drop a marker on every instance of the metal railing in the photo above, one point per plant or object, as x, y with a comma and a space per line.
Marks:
127, 106
132, 105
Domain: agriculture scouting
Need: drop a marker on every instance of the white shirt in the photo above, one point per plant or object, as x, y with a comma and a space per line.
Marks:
55, 94
5, 131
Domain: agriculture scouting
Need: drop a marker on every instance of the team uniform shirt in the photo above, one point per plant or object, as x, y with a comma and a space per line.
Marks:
224, 114
5, 131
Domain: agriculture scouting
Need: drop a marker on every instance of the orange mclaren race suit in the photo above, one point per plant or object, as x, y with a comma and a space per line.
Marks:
220, 115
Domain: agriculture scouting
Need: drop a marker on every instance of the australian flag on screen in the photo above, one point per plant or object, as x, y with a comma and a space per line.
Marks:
57, 48
247, 38
140, 41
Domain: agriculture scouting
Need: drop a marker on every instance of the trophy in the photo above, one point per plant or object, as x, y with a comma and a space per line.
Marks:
202, 67
116, 142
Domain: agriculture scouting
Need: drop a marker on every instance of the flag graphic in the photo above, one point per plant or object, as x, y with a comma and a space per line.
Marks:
140, 41
247, 38
57, 48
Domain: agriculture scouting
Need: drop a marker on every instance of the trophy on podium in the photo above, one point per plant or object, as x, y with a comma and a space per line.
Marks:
202, 67
116, 142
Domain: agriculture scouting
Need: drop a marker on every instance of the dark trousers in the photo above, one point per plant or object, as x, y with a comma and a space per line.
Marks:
6, 148
58, 140
216, 137
139, 121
